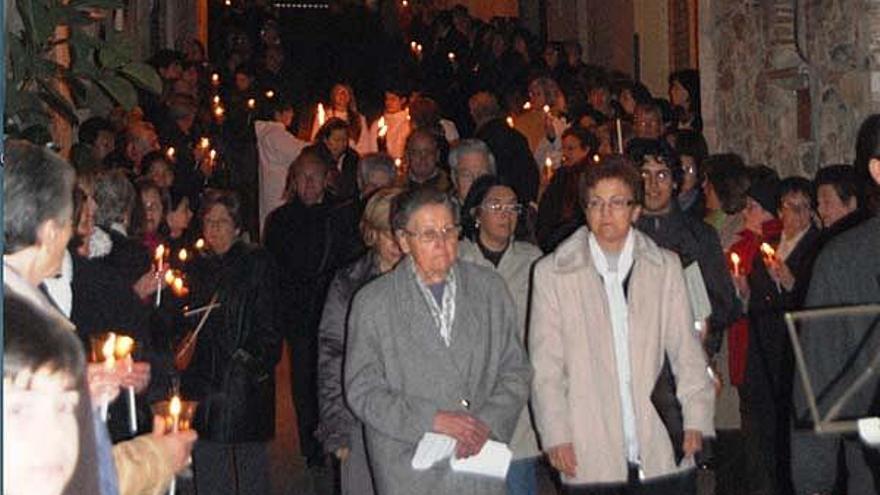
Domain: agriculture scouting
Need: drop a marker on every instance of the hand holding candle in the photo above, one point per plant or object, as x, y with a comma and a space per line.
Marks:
108, 351
735, 260
124, 348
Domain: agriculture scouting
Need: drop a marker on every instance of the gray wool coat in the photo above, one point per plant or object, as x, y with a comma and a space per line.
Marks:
399, 373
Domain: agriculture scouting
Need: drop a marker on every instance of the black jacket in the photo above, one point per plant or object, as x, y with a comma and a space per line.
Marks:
559, 211
513, 158
232, 373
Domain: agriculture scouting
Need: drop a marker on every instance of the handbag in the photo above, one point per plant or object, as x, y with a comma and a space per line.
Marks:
185, 350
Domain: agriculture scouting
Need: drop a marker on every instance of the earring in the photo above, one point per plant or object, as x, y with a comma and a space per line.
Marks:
477, 223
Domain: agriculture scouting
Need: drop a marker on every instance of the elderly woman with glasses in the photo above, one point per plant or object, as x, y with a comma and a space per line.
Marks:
433, 347
495, 208
608, 304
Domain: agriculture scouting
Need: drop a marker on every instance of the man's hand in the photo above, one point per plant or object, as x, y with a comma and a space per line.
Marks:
562, 458
148, 283
139, 377
470, 433
342, 453
177, 446
692, 443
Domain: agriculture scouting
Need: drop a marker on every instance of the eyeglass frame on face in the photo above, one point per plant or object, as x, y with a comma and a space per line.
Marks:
615, 204
430, 236
499, 208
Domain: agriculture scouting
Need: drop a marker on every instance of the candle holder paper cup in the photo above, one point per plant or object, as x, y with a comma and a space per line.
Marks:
868, 428
184, 419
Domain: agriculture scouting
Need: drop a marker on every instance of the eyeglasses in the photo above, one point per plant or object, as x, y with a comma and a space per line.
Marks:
499, 208
616, 203
661, 176
430, 236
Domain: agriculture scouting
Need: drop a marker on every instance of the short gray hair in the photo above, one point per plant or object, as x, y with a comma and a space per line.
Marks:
115, 196
38, 188
409, 202
375, 162
466, 146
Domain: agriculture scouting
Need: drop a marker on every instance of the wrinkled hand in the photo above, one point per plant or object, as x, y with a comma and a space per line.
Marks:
780, 273
148, 283
138, 377
103, 384
692, 443
562, 458
342, 453
177, 446
470, 433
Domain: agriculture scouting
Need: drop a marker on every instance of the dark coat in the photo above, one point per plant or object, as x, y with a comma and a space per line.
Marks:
514, 161
559, 211
310, 243
232, 373
337, 420
128, 257
696, 241
344, 183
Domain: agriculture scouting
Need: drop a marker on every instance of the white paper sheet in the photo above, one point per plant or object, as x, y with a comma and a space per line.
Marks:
493, 460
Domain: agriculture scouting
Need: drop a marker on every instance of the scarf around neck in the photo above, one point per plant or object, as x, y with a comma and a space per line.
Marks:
444, 315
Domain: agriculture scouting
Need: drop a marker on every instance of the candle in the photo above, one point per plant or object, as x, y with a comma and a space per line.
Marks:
251, 103
619, 137
510, 121
216, 100
108, 350
159, 257
270, 94
212, 155
124, 348
596, 158
546, 109
174, 409
398, 163
413, 45
169, 277
419, 48
527, 105
404, 3
451, 57
204, 143
200, 244
734, 258
215, 79
183, 255
179, 288
548, 169
218, 112
322, 115
170, 153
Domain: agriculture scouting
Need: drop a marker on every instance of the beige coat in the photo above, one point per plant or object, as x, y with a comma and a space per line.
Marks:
515, 268
575, 390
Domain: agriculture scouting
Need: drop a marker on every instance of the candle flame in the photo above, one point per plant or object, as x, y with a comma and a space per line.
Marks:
398, 162
170, 152
109, 351
768, 250
548, 162
596, 158
527, 105
322, 115
270, 94
216, 100
546, 108
419, 48
404, 3
200, 243
160, 252
183, 255
510, 121
451, 56
219, 111
215, 78
212, 154
413, 45
175, 407
124, 346
178, 285
251, 103
204, 143
169, 277
735, 259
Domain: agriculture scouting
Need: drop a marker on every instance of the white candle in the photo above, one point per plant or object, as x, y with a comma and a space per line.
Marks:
108, 350
322, 115
160, 266
124, 346
734, 258
619, 137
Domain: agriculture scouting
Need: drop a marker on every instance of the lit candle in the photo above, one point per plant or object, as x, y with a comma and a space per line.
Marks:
183, 255
251, 103
169, 277
174, 408
218, 112
546, 109
124, 348
413, 45
270, 94
404, 3
108, 350
451, 57
170, 153
510, 121
735, 259
179, 288
215, 79
419, 48
160, 266
398, 163
204, 143
216, 100
548, 168
212, 155
597, 158
200, 244
527, 105
322, 115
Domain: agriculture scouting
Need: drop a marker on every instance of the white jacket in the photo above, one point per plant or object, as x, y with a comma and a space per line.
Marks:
278, 148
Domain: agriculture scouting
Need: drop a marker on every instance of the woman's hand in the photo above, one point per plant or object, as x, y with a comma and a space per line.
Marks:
138, 377
780, 273
147, 284
692, 443
563, 459
103, 384
177, 446
470, 433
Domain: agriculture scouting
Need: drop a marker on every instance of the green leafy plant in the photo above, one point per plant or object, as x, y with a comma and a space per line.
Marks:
96, 64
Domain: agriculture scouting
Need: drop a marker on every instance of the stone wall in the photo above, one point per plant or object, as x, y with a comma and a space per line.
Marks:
770, 66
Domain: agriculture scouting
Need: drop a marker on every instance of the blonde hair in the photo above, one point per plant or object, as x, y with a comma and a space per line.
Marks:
377, 214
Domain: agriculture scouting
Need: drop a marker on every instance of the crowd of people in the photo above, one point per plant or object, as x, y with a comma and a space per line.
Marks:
519, 247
